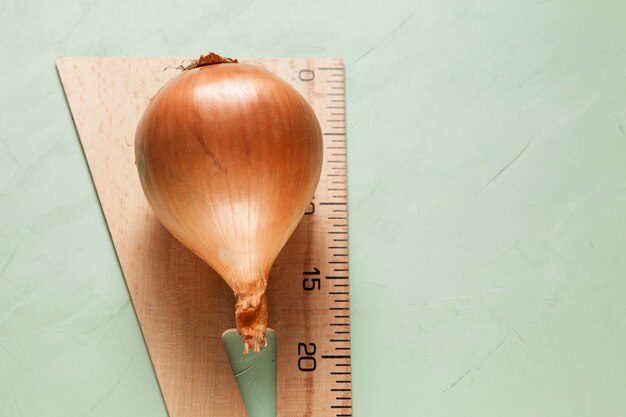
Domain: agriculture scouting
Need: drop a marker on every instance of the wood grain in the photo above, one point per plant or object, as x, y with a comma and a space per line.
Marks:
182, 305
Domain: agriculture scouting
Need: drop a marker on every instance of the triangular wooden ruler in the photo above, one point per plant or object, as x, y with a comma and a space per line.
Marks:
182, 305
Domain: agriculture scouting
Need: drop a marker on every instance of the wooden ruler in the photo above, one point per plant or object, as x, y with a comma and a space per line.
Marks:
182, 305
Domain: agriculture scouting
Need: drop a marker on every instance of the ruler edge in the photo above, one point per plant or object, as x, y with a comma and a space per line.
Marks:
349, 402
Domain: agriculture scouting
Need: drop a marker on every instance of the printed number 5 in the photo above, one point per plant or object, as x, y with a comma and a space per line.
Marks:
310, 284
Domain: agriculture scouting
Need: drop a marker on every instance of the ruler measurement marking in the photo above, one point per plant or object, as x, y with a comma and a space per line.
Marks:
335, 138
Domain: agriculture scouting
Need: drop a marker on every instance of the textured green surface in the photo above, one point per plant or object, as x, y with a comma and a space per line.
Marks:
254, 372
487, 192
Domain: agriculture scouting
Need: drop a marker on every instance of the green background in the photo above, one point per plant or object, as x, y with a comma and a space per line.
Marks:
487, 201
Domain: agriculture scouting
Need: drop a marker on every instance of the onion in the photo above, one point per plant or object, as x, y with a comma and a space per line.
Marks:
229, 156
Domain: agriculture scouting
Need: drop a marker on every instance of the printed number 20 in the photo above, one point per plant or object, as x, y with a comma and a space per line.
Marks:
306, 360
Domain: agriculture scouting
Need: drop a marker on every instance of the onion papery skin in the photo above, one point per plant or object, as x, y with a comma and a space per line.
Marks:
229, 156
